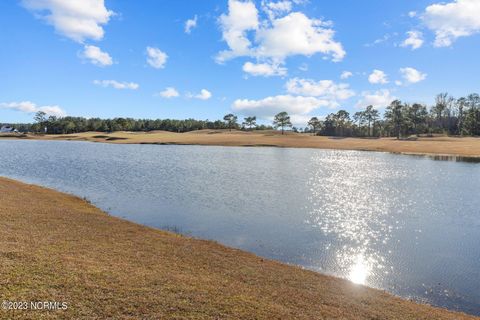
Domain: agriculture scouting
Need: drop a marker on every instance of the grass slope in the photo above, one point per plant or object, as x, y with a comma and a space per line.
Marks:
56, 247
440, 145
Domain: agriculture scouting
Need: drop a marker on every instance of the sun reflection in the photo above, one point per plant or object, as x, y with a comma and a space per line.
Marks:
353, 208
359, 271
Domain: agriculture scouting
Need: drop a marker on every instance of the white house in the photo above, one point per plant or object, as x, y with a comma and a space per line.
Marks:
6, 129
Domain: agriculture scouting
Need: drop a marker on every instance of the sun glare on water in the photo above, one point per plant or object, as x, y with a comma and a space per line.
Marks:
359, 271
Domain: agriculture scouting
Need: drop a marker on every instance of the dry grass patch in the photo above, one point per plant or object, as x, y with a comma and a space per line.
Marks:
439, 145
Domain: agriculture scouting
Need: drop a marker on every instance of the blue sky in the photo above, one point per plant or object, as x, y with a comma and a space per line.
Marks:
118, 58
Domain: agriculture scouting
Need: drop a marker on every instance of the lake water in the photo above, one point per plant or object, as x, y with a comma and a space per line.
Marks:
409, 225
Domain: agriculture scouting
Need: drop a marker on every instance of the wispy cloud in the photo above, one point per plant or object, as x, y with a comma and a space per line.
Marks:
30, 107
116, 84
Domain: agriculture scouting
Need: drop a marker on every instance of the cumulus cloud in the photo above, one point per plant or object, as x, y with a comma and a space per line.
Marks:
30, 107
264, 69
77, 20
116, 84
378, 99
96, 56
203, 95
412, 14
274, 9
411, 75
296, 34
156, 58
169, 92
346, 75
268, 107
299, 119
303, 96
378, 77
414, 40
282, 35
191, 24
241, 17
327, 90
450, 21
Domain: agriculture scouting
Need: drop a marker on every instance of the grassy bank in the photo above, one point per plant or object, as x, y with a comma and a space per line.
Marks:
467, 147
56, 247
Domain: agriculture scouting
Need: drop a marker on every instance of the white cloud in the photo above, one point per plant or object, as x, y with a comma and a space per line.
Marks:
414, 40
449, 21
30, 107
296, 34
378, 77
277, 38
242, 17
412, 14
191, 24
411, 75
264, 69
346, 75
274, 9
77, 20
383, 39
117, 85
327, 90
156, 58
268, 107
281, 6
303, 67
96, 56
378, 99
203, 95
299, 120
169, 92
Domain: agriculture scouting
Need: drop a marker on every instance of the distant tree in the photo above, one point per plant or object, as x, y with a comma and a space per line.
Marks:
282, 120
41, 120
359, 118
371, 117
460, 105
230, 121
342, 119
442, 111
315, 124
472, 117
395, 117
417, 114
250, 122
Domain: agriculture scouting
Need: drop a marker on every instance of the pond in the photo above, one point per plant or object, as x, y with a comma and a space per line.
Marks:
408, 225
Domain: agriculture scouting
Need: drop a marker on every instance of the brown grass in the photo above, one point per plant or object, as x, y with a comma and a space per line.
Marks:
440, 145
56, 247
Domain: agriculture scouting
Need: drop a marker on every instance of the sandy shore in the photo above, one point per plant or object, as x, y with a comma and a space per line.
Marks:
56, 247
466, 147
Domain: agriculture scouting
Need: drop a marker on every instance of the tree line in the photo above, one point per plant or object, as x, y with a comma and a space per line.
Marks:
67, 125
447, 116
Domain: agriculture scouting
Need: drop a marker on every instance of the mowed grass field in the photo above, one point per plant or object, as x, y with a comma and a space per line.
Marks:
56, 247
439, 145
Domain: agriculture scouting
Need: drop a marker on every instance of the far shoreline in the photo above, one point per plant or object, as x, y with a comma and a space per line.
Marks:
465, 148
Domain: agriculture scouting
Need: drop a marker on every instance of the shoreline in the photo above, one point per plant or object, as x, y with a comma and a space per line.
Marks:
439, 146
75, 252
